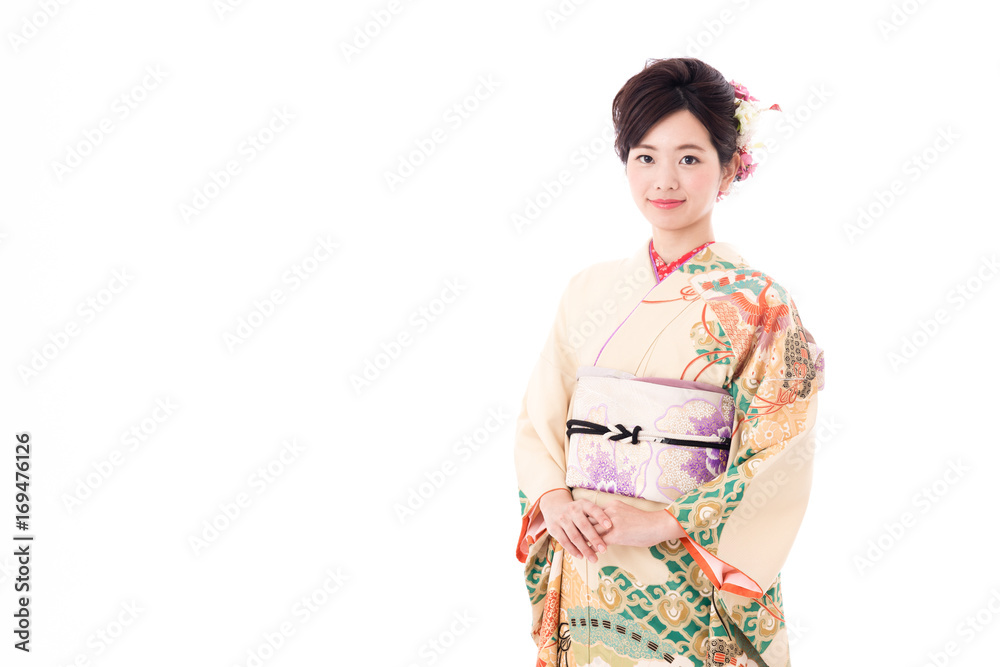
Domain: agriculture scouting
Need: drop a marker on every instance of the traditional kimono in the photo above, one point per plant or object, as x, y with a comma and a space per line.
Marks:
709, 323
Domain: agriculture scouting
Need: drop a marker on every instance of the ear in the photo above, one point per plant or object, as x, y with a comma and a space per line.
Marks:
729, 171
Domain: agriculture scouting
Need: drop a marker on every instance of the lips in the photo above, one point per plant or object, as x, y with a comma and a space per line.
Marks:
666, 203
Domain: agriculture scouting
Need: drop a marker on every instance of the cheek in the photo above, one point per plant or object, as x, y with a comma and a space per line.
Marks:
704, 179
634, 183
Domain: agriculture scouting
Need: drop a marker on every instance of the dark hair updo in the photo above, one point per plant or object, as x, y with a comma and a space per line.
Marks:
672, 84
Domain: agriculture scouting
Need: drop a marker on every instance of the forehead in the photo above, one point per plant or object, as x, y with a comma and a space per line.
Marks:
680, 127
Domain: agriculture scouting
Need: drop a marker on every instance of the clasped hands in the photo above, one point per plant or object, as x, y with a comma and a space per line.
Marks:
584, 529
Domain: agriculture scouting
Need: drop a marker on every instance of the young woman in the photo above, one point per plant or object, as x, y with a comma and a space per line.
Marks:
664, 446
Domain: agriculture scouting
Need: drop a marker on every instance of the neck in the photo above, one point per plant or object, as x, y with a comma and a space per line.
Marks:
670, 245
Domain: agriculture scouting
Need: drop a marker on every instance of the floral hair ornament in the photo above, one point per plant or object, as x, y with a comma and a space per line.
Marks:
747, 114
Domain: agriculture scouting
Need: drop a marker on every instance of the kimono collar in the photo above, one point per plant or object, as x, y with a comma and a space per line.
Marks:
663, 269
708, 256
660, 301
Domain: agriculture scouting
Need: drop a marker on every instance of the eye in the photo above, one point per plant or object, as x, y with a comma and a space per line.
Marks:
639, 158
692, 157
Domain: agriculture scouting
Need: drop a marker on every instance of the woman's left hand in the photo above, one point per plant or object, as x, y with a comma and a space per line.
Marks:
638, 528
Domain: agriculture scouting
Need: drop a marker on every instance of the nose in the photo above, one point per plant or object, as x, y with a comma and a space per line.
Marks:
666, 177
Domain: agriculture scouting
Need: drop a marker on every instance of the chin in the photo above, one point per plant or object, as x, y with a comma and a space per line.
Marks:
667, 228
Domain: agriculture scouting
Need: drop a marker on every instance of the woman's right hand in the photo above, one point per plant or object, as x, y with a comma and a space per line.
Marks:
576, 524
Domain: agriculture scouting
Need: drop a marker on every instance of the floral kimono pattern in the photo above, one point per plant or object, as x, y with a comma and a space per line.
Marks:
714, 596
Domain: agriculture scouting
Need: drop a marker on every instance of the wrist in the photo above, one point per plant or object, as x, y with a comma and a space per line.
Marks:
672, 528
547, 499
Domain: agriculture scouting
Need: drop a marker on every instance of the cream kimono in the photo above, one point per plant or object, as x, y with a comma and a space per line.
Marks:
713, 597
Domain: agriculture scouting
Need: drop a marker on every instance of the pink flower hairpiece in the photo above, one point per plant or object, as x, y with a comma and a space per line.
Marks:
747, 114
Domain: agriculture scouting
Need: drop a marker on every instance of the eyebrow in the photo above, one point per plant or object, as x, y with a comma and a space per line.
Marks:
678, 148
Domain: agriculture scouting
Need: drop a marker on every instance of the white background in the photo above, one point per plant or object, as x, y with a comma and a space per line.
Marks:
862, 96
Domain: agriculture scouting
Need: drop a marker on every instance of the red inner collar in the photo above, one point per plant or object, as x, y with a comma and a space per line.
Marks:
663, 269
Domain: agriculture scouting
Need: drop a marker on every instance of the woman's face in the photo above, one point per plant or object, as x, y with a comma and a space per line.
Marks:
675, 160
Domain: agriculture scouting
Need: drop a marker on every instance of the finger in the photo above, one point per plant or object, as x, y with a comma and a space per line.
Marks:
564, 539
594, 511
601, 516
557, 534
573, 534
583, 525
599, 527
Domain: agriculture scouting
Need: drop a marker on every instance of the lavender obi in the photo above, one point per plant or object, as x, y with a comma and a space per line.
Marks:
645, 437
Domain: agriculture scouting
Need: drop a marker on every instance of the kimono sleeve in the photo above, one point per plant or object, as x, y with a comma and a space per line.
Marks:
740, 525
540, 432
